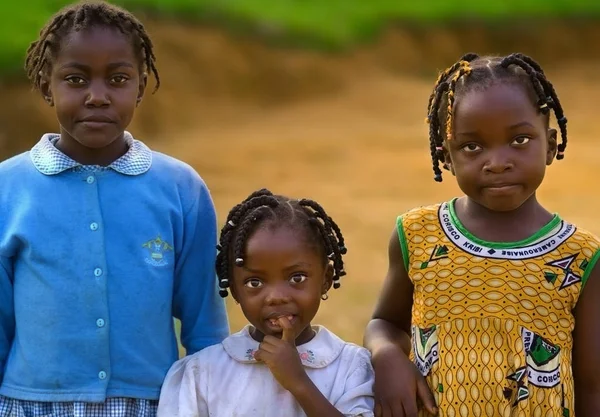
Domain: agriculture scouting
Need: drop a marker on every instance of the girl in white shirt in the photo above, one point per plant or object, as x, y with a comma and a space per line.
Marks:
279, 257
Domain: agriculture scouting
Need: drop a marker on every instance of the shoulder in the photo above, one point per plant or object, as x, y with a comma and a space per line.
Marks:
349, 353
200, 361
21, 162
584, 235
429, 211
174, 169
14, 173
170, 172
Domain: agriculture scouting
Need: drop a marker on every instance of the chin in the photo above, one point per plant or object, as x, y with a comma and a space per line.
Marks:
503, 206
96, 140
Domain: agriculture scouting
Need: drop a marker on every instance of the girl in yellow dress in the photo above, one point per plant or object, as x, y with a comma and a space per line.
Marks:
491, 305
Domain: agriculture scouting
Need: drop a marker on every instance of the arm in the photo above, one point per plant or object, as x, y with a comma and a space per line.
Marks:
398, 383
312, 401
281, 357
586, 345
7, 315
390, 325
196, 300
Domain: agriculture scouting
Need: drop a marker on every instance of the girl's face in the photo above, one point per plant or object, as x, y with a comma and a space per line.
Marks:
283, 276
501, 146
95, 85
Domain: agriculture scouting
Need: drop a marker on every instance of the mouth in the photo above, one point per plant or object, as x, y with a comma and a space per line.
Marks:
272, 320
500, 187
96, 121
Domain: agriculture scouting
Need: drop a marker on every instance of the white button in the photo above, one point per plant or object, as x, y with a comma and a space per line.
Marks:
97, 272
94, 226
90, 179
100, 323
102, 375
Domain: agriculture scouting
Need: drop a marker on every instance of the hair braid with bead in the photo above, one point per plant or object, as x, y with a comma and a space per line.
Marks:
264, 208
472, 71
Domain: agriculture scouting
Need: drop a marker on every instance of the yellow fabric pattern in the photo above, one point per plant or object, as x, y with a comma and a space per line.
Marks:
492, 322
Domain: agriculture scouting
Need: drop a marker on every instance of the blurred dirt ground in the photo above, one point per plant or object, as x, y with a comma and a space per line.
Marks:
346, 130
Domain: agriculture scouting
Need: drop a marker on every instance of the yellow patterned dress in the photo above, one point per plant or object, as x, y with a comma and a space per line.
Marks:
492, 322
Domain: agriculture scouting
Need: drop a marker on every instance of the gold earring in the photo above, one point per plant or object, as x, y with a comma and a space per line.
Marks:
325, 297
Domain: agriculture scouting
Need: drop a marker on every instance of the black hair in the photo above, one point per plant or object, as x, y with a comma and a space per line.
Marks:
81, 16
262, 207
472, 71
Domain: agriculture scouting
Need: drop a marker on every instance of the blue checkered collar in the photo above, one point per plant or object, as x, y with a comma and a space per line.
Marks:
50, 161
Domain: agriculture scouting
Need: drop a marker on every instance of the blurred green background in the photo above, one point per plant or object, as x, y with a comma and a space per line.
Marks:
325, 99
313, 23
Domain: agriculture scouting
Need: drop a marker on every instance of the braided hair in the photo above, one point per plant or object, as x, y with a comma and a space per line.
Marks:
81, 16
472, 71
261, 207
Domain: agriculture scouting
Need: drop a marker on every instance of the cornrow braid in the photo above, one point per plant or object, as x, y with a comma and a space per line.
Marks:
444, 74
473, 71
261, 207
463, 70
332, 236
82, 16
548, 99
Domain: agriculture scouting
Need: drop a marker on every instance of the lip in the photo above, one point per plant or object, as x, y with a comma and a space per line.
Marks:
501, 188
271, 319
97, 120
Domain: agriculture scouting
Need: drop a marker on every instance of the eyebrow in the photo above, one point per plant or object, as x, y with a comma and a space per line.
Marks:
511, 127
288, 268
87, 67
521, 124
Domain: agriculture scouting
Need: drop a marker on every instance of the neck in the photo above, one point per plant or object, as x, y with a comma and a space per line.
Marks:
92, 156
502, 226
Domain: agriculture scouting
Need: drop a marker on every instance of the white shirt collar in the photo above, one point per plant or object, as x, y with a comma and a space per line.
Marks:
49, 160
322, 350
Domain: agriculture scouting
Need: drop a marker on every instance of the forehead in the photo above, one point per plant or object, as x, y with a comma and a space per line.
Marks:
270, 240
501, 104
97, 45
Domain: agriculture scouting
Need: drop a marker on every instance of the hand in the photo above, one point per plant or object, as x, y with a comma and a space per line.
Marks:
282, 358
399, 386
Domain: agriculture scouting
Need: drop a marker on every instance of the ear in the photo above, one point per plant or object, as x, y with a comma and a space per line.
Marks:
142, 87
447, 159
46, 90
328, 279
552, 147
233, 292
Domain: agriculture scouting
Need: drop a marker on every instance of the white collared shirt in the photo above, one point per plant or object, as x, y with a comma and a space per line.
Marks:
225, 380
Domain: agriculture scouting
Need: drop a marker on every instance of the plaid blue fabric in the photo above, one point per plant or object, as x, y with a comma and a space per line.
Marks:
50, 161
112, 407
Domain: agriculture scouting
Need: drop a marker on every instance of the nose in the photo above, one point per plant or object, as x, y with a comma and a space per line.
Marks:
278, 294
97, 95
498, 161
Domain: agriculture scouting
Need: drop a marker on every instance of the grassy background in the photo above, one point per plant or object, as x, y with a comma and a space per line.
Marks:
315, 23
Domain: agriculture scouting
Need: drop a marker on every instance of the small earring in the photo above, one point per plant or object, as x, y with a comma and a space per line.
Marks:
325, 297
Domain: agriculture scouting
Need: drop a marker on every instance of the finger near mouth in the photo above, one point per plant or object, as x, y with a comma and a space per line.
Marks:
274, 321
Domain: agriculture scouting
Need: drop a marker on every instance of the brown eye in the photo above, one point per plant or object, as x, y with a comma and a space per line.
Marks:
253, 283
75, 80
298, 279
471, 147
521, 140
119, 79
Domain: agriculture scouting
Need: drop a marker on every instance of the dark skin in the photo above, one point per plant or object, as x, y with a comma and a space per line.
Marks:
499, 152
95, 84
279, 289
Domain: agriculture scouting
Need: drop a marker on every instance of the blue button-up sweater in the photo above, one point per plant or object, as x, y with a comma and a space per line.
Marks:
94, 264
